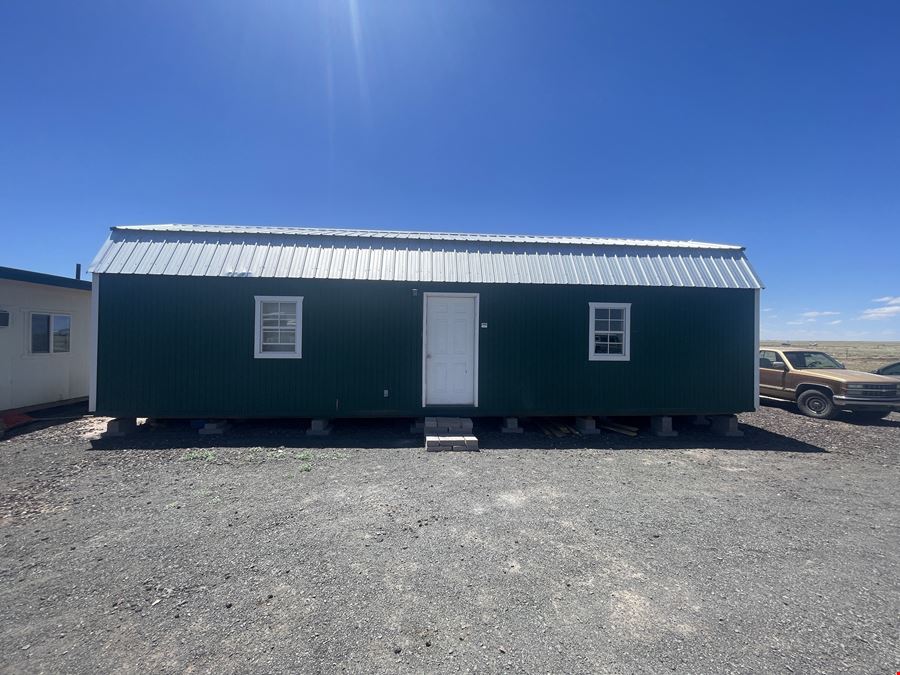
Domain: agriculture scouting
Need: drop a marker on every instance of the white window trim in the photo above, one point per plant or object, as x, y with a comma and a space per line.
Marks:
756, 350
257, 328
52, 315
626, 342
94, 339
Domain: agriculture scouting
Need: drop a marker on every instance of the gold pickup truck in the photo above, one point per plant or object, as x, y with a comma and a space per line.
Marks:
821, 386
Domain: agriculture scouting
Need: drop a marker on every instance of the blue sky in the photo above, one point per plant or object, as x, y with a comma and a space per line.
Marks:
775, 125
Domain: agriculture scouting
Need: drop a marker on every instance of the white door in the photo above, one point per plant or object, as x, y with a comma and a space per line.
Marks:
450, 349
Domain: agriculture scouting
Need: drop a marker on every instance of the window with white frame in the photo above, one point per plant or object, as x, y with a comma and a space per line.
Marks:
279, 327
50, 333
610, 331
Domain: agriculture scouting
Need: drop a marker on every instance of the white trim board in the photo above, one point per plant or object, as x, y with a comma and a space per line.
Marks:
476, 328
92, 349
756, 350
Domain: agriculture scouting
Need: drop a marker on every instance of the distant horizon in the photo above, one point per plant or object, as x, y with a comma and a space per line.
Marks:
882, 342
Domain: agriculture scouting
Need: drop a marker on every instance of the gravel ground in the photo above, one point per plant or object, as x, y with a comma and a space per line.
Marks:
264, 551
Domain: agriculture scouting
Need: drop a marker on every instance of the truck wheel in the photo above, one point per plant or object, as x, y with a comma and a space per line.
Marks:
814, 403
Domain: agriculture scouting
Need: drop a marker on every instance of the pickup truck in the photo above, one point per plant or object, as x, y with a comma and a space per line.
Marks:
821, 386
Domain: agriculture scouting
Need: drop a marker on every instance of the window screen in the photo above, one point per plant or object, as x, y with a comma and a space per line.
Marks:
61, 329
278, 327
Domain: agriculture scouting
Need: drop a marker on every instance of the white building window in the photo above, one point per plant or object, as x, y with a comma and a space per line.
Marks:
610, 331
279, 327
50, 333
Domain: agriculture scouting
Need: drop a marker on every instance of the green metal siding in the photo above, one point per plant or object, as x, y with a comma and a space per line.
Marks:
183, 347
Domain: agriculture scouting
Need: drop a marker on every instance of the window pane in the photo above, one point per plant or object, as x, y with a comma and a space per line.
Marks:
610, 336
609, 343
279, 315
287, 337
615, 344
40, 333
61, 331
270, 337
278, 348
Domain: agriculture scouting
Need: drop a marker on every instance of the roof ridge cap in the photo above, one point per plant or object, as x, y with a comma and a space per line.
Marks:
585, 240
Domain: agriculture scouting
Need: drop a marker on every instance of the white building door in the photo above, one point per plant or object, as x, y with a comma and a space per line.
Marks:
450, 343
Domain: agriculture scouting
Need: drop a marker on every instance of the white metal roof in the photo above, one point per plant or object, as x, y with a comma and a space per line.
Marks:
305, 253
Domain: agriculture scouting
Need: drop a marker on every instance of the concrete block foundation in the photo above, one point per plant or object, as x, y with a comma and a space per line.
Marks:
587, 426
319, 427
726, 425
661, 425
120, 426
511, 426
448, 426
447, 443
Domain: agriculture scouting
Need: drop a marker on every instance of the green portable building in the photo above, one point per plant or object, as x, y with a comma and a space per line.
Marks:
240, 322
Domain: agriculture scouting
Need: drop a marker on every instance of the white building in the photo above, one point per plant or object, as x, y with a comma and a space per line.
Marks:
45, 338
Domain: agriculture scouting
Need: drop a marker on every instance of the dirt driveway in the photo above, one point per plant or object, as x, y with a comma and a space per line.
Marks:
256, 551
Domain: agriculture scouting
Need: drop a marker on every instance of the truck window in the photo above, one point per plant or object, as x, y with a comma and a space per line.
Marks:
767, 358
801, 360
